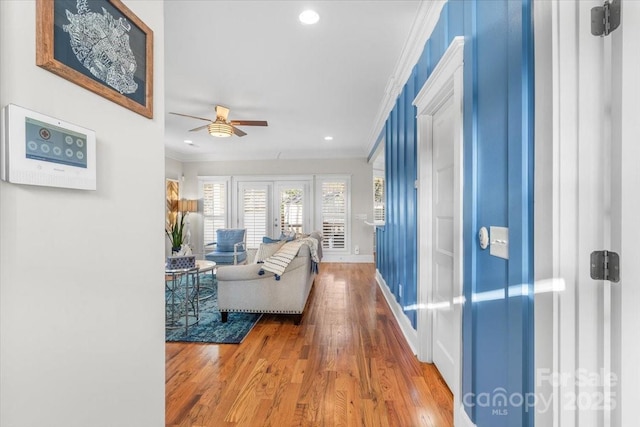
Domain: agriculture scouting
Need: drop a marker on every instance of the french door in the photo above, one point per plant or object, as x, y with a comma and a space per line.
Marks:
269, 208
255, 211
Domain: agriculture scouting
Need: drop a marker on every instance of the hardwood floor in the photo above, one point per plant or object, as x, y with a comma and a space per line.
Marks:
346, 364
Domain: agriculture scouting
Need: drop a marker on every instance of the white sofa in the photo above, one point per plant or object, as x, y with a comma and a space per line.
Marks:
241, 288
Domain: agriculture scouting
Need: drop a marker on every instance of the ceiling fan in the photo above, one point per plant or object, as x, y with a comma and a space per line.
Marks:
221, 126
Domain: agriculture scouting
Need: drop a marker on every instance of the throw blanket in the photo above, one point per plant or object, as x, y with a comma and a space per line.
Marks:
278, 262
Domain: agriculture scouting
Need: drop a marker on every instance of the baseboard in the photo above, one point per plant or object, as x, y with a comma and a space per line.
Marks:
410, 334
461, 419
347, 258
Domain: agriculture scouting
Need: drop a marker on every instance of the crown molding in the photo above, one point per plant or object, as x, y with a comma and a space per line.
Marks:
426, 19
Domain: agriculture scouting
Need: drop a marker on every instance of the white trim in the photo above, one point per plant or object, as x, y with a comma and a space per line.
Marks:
445, 83
452, 59
426, 20
357, 259
461, 417
410, 334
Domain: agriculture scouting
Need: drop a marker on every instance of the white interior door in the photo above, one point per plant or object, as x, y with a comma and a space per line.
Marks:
442, 263
626, 294
440, 136
593, 370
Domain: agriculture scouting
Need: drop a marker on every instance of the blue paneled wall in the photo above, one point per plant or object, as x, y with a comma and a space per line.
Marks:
497, 331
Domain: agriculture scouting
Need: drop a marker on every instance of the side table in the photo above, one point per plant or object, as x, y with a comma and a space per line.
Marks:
181, 298
204, 266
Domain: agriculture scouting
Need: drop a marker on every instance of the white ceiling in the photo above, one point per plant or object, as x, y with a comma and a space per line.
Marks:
257, 59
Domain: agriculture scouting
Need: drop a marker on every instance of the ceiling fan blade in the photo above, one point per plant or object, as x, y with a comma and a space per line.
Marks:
222, 112
193, 117
238, 132
249, 122
198, 128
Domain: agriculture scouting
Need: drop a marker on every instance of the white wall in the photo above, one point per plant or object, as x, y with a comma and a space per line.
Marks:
172, 168
361, 189
81, 292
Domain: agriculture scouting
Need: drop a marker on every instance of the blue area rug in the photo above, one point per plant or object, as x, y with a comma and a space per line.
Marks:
210, 329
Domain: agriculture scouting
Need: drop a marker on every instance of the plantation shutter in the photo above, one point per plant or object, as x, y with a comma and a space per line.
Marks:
254, 202
334, 214
291, 209
215, 208
378, 199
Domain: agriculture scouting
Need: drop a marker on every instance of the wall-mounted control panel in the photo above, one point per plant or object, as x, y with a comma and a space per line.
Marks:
37, 149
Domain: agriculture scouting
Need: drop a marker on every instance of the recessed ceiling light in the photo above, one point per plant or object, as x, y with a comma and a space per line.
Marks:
309, 17
188, 141
328, 138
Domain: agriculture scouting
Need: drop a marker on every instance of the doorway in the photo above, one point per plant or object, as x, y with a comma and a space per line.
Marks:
439, 106
586, 350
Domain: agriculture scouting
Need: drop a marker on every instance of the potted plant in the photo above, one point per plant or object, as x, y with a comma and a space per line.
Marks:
175, 232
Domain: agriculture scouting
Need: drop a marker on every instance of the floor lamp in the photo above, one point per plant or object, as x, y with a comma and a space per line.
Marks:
185, 207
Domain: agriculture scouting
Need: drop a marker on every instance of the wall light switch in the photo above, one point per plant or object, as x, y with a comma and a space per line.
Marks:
499, 243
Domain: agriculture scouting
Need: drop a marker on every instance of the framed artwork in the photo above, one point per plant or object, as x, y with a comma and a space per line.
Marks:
173, 196
100, 45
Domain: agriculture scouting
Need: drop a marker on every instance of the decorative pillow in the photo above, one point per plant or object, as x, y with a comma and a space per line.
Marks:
285, 236
267, 250
288, 235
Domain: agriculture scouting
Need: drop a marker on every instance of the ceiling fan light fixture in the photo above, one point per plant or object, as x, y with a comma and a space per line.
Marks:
220, 130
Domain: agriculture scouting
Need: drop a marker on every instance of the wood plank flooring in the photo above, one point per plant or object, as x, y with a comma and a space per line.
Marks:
346, 364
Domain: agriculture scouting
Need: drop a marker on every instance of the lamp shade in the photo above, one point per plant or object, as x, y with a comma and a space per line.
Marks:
220, 129
188, 205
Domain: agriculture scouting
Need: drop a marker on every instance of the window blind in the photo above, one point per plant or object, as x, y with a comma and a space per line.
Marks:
334, 212
254, 207
214, 201
378, 199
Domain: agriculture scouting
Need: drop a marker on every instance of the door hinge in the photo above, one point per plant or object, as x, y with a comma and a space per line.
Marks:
605, 18
605, 265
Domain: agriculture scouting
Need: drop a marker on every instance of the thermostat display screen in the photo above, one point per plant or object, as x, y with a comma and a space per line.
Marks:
54, 144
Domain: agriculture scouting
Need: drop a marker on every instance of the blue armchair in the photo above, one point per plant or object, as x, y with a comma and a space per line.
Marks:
229, 248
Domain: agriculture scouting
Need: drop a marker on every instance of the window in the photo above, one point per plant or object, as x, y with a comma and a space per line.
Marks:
291, 209
334, 212
255, 213
215, 212
378, 199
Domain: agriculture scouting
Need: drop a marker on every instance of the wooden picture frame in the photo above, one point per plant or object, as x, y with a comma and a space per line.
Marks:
71, 42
